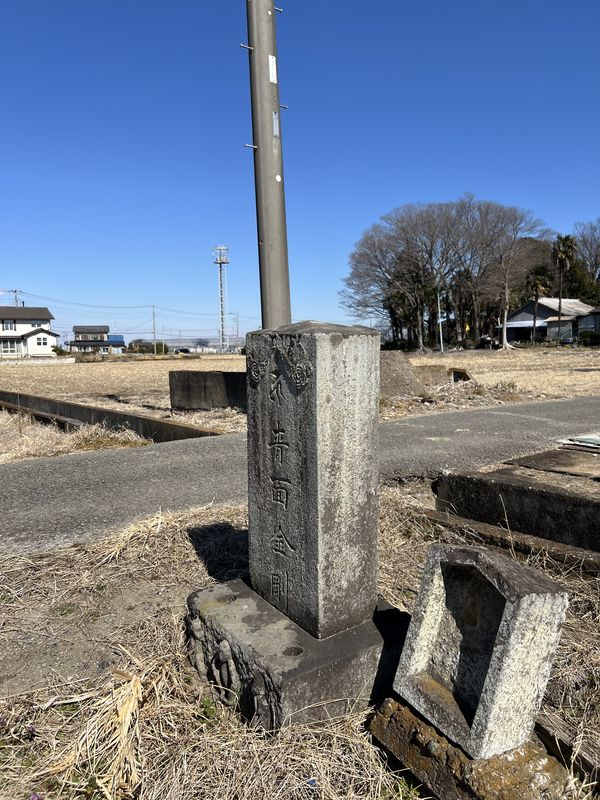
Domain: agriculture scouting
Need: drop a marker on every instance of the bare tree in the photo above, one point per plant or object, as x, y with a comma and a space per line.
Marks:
587, 235
373, 265
469, 251
509, 229
473, 235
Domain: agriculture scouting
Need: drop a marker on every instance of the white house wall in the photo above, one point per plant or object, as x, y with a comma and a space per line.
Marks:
35, 349
29, 346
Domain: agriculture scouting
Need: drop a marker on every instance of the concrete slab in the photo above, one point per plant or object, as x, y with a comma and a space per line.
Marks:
193, 389
551, 505
566, 462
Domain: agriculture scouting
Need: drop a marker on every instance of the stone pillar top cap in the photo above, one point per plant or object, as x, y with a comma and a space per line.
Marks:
312, 326
511, 578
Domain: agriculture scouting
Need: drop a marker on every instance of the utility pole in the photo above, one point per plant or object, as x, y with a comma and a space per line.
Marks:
268, 164
14, 292
237, 330
221, 259
440, 324
154, 327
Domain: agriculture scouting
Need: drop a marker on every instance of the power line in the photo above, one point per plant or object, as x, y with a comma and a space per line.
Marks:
75, 303
69, 305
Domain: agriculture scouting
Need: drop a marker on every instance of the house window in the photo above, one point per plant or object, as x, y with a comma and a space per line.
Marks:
8, 325
42, 341
36, 324
8, 346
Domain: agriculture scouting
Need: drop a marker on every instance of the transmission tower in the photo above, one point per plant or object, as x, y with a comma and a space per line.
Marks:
221, 259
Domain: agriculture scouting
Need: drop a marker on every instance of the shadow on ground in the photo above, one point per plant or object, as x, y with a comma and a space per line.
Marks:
222, 549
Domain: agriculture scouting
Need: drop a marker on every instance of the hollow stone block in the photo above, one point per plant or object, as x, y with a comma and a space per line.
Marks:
480, 646
313, 400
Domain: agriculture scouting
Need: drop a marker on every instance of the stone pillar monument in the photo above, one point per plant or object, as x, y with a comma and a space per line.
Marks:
309, 638
313, 418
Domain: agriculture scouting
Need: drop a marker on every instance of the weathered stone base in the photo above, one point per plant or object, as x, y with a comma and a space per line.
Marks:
276, 672
526, 773
192, 390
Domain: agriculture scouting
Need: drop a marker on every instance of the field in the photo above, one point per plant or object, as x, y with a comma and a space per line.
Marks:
143, 387
99, 700
541, 372
566, 372
144, 380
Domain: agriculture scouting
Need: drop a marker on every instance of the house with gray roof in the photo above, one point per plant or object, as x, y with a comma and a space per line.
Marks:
520, 322
25, 332
96, 339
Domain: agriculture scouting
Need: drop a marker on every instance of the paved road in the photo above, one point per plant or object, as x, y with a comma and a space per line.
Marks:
425, 446
53, 501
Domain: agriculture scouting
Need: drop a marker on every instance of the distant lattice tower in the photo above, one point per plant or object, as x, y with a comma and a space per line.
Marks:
221, 259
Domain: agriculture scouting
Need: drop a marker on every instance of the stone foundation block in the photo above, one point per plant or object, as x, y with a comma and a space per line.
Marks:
195, 390
525, 773
480, 647
275, 671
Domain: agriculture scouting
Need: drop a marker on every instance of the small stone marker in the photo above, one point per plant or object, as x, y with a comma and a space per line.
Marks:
313, 414
479, 648
309, 640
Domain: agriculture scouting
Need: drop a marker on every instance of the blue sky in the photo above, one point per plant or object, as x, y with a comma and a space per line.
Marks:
122, 159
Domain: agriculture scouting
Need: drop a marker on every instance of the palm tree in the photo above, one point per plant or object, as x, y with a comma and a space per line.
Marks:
539, 281
564, 251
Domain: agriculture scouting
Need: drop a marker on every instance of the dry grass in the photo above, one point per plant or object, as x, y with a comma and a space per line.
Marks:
146, 726
226, 420
453, 397
22, 438
125, 379
562, 372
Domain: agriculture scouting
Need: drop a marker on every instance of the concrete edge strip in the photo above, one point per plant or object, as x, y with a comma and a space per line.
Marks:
68, 415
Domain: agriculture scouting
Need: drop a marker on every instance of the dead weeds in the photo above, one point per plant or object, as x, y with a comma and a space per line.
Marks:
148, 727
21, 437
454, 397
550, 371
140, 723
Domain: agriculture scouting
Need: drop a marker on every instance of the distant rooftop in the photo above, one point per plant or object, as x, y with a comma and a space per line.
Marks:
25, 313
91, 328
571, 307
